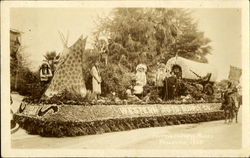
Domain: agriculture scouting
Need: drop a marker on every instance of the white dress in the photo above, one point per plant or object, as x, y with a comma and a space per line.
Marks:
160, 76
96, 80
141, 81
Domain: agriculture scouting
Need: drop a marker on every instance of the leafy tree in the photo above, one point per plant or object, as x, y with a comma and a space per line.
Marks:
18, 62
23, 80
147, 35
151, 35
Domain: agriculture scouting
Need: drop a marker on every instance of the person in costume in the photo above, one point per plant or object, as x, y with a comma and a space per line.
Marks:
170, 86
141, 79
45, 73
104, 49
131, 98
229, 101
96, 79
160, 77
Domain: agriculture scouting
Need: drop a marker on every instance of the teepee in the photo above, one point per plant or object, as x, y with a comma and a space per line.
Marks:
69, 73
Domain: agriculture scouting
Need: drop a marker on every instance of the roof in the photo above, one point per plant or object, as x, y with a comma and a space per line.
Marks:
190, 68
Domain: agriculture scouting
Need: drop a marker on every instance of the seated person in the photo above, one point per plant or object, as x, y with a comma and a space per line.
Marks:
138, 91
45, 72
130, 95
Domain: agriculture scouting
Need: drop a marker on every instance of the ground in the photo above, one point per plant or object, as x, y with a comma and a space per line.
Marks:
206, 135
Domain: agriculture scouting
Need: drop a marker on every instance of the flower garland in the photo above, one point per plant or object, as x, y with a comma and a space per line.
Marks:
52, 128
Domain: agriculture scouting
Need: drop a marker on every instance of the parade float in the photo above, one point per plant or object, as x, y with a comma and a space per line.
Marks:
56, 116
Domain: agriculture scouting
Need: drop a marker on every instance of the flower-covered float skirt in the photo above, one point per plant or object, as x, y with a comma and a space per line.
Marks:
73, 120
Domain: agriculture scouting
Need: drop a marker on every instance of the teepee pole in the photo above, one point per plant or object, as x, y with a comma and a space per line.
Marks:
64, 42
67, 38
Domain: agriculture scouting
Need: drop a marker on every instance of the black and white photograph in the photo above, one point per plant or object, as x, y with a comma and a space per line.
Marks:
105, 76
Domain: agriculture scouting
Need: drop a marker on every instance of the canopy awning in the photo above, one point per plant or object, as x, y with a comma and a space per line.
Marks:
191, 68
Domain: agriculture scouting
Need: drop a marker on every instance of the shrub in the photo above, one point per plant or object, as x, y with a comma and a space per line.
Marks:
28, 84
115, 79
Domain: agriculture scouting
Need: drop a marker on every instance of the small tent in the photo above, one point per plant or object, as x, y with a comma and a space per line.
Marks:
69, 73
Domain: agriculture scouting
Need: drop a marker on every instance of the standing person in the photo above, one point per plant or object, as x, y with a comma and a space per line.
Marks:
96, 79
160, 77
165, 88
45, 73
171, 85
229, 106
141, 79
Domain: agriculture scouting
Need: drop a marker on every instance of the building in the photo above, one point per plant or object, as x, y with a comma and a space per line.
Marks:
15, 41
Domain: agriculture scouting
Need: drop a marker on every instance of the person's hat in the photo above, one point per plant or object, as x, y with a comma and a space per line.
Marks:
162, 66
141, 66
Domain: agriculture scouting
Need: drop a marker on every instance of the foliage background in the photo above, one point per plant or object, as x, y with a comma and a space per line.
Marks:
149, 36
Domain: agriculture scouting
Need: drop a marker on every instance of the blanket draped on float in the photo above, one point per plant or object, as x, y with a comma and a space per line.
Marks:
69, 73
73, 120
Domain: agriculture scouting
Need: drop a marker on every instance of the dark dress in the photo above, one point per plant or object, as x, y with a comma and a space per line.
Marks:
170, 88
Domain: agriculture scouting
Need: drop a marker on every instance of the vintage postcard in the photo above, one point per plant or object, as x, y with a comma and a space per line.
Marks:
125, 78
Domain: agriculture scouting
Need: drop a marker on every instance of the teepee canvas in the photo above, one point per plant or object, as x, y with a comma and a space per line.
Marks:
69, 74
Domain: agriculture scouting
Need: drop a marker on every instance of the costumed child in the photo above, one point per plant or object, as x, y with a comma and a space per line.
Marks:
131, 98
141, 79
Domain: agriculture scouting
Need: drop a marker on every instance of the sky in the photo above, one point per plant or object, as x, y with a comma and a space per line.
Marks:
40, 28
